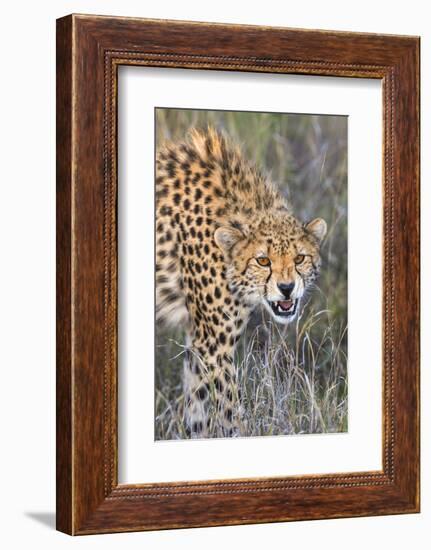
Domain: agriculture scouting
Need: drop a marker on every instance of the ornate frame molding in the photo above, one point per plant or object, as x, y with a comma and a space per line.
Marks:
90, 49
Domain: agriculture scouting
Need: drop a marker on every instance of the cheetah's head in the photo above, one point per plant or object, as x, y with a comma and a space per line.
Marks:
273, 263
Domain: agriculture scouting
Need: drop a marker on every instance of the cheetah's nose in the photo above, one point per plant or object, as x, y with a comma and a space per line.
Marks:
286, 289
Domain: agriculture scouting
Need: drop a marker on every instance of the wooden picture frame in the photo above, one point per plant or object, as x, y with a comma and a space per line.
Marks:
89, 51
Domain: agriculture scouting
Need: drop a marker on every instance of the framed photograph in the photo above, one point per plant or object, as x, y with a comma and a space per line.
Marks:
237, 274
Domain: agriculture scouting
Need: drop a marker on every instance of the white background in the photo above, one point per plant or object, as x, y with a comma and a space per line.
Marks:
27, 274
141, 458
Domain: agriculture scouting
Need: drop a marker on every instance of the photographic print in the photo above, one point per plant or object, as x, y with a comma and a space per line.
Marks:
207, 232
251, 274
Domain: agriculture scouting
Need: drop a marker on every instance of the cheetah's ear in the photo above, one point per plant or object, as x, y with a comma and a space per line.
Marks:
227, 237
317, 228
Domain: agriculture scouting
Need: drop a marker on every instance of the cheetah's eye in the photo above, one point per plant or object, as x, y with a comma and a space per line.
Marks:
299, 259
264, 261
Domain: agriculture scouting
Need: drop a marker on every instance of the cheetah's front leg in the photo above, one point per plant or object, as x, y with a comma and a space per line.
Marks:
210, 391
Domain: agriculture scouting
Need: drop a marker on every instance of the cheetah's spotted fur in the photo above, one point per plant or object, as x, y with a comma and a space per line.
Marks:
226, 241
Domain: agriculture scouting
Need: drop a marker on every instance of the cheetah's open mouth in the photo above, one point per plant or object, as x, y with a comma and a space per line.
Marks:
284, 308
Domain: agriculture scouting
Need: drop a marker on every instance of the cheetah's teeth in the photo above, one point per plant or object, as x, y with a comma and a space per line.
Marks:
284, 308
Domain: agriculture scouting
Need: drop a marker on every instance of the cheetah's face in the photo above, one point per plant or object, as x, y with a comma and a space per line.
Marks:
275, 266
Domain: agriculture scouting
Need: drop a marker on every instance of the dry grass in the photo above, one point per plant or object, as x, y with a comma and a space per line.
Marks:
293, 379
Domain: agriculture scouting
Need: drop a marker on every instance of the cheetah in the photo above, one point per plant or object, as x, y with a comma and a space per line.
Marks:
226, 241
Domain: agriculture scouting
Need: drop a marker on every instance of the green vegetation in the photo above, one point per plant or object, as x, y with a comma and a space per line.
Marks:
293, 379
